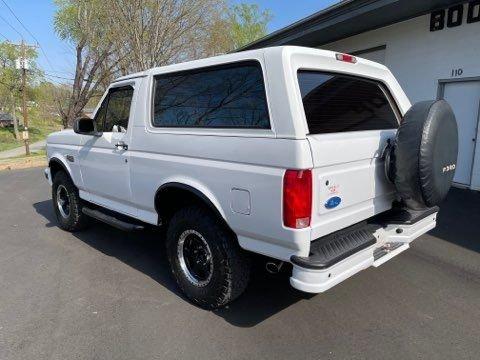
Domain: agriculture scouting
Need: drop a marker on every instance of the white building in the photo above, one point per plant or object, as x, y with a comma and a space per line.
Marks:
432, 47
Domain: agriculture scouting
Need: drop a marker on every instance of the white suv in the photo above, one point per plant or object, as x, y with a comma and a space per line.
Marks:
289, 152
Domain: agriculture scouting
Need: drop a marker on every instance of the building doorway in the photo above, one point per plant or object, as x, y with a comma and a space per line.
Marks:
464, 97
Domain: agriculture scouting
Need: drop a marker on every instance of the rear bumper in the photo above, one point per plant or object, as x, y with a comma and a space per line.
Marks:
392, 234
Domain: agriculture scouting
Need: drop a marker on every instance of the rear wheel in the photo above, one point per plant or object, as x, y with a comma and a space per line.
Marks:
206, 260
67, 203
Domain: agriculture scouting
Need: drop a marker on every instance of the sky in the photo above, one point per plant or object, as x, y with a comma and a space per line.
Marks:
57, 58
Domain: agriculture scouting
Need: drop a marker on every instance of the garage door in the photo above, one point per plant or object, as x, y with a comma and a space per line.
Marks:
464, 97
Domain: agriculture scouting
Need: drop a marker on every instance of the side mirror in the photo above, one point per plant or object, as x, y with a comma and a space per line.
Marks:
86, 126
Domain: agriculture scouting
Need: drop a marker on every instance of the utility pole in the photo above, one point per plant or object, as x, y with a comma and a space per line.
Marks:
24, 65
15, 119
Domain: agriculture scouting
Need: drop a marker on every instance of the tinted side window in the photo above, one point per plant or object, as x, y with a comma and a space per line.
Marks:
221, 97
118, 109
339, 103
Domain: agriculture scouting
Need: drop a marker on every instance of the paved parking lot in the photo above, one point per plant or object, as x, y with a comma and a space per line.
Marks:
104, 294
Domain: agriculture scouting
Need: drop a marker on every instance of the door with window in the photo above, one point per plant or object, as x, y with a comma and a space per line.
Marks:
104, 160
464, 97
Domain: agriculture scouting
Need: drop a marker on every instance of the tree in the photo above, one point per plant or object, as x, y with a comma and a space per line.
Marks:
10, 77
85, 24
47, 95
114, 37
118, 37
157, 33
247, 24
237, 26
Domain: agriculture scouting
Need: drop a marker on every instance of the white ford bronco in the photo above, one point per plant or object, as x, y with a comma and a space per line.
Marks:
308, 157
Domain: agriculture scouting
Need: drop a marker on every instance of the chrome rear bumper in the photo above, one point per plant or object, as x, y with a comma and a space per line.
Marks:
392, 235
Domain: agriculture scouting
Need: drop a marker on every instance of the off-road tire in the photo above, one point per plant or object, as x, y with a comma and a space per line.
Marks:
231, 264
76, 219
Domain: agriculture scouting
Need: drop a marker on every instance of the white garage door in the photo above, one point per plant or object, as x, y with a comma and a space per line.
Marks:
464, 97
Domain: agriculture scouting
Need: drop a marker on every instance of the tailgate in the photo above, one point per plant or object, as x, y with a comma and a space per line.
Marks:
348, 179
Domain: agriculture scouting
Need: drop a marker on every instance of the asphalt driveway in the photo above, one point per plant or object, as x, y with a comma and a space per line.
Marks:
104, 294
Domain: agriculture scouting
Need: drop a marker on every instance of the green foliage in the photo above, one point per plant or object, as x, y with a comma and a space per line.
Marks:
64, 21
10, 77
79, 21
247, 24
114, 37
237, 26
38, 130
40, 96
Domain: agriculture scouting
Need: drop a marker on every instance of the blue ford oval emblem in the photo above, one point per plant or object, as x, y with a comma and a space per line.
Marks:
333, 202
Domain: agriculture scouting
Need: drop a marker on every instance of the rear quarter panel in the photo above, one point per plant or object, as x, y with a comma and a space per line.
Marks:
222, 167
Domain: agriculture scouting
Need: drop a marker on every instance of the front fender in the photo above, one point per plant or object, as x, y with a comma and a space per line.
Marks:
72, 169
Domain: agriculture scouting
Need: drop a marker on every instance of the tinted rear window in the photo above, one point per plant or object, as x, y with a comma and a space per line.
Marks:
338, 103
230, 96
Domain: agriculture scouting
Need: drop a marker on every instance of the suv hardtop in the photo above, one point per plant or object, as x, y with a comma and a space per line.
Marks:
306, 156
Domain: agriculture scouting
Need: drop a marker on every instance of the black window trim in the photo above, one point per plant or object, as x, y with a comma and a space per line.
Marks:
110, 91
381, 84
208, 68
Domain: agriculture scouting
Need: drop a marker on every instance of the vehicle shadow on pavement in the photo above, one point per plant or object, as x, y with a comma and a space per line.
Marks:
459, 219
144, 251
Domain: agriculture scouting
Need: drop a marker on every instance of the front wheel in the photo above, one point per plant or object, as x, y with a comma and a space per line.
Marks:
206, 260
67, 203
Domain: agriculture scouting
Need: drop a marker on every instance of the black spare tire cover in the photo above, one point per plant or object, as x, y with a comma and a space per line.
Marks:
426, 149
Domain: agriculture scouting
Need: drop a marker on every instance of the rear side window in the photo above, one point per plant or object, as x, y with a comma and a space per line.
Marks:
230, 96
339, 103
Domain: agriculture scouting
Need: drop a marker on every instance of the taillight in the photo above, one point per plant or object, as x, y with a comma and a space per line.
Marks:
346, 58
297, 198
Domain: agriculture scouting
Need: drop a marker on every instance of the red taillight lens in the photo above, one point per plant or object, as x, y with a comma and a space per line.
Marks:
346, 58
297, 198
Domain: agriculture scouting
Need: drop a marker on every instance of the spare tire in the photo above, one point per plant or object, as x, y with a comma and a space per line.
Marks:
426, 148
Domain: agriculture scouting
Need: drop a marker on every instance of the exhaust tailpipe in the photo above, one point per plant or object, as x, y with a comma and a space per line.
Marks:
273, 267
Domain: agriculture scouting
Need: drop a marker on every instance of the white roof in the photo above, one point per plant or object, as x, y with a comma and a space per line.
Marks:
226, 58
193, 64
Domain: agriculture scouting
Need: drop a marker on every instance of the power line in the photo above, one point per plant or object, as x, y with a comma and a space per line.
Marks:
4, 37
16, 17
28, 31
61, 72
14, 29
58, 77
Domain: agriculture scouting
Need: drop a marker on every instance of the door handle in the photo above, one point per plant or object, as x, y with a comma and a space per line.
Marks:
121, 145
